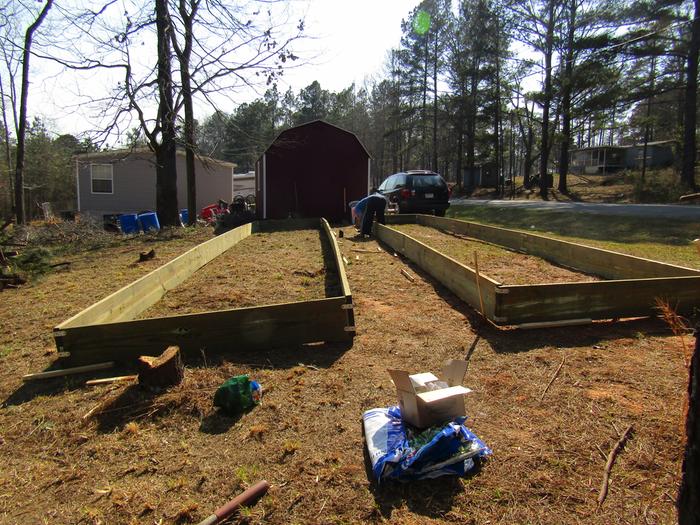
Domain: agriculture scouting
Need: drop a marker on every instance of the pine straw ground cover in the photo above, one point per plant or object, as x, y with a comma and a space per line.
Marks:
171, 458
503, 265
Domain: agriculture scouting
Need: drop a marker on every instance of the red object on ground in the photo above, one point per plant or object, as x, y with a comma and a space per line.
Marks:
209, 213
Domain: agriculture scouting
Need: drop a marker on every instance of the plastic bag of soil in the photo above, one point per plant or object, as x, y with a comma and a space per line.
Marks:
398, 451
237, 395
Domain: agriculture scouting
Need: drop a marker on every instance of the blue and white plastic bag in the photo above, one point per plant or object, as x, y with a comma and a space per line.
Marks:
404, 454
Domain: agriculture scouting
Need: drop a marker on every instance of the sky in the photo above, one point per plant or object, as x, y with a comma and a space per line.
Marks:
345, 41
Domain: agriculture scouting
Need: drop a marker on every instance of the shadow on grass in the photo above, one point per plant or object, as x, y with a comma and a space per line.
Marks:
59, 385
321, 355
510, 340
604, 228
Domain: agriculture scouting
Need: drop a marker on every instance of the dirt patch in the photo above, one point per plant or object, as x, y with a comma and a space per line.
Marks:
170, 456
264, 268
503, 265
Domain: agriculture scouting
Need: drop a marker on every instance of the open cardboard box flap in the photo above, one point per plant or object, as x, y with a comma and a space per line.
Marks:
423, 405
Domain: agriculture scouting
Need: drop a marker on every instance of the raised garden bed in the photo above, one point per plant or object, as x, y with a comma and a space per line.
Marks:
501, 264
111, 330
631, 286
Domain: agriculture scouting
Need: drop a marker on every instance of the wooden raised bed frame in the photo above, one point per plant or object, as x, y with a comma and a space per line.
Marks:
107, 331
634, 284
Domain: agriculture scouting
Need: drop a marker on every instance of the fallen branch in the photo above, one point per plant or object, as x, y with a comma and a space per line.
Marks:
556, 374
609, 465
363, 251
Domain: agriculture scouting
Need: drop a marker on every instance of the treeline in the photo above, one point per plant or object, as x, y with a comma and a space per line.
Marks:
507, 85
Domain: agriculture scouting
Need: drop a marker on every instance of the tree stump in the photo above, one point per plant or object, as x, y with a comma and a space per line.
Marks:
165, 370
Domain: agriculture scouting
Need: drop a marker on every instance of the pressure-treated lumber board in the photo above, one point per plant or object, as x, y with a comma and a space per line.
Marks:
595, 300
597, 261
254, 328
140, 295
106, 328
518, 304
459, 278
344, 283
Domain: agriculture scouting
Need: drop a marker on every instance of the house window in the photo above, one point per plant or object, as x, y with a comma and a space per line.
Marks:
101, 178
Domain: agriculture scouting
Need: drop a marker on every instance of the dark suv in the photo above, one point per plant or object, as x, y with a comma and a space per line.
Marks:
417, 191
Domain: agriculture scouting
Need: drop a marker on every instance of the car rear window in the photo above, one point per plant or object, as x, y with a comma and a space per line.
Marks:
428, 181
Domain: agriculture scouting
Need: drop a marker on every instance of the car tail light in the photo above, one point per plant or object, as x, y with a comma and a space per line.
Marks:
449, 192
405, 193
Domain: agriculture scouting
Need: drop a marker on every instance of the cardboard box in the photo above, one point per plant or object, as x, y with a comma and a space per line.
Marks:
427, 400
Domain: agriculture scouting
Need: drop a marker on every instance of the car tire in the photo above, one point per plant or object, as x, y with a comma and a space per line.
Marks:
439, 213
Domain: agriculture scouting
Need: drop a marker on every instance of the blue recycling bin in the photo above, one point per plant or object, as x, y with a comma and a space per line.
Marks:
149, 221
129, 223
184, 216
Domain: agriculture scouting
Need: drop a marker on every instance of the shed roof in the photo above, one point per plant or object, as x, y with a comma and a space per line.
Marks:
315, 123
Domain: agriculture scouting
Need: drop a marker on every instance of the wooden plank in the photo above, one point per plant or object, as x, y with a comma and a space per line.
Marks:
459, 278
223, 331
597, 261
337, 257
340, 269
68, 371
519, 304
131, 300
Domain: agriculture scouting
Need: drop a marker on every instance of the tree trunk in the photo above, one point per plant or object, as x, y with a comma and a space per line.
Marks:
497, 116
544, 155
689, 492
166, 151
691, 97
183, 55
435, 103
21, 132
566, 100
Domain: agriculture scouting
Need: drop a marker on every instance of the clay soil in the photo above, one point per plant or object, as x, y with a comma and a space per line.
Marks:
265, 268
170, 457
501, 264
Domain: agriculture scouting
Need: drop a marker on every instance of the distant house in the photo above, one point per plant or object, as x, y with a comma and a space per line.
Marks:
660, 154
312, 170
597, 160
482, 176
609, 159
124, 181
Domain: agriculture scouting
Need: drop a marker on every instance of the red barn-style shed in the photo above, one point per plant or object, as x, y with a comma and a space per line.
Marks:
312, 170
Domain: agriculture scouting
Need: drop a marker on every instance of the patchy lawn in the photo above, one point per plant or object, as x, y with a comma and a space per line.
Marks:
170, 456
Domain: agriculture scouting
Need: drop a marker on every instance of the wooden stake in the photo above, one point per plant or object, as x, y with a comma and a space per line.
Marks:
556, 374
68, 371
609, 465
107, 380
478, 285
408, 275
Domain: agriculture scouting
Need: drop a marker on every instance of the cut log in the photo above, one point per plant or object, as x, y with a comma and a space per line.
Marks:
165, 370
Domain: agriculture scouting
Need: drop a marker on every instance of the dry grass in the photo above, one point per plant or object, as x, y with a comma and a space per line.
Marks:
152, 456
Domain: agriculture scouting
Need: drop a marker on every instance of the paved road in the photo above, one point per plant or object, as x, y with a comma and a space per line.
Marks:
681, 212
